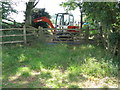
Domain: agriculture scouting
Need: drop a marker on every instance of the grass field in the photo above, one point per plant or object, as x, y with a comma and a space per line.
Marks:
57, 66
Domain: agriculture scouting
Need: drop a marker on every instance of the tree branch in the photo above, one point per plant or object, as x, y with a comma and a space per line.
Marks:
36, 3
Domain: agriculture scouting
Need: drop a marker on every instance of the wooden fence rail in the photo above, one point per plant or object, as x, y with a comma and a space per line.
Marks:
24, 35
47, 34
14, 35
67, 29
11, 29
65, 35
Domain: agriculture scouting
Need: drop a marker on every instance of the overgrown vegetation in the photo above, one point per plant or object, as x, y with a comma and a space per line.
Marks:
104, 15
58, 66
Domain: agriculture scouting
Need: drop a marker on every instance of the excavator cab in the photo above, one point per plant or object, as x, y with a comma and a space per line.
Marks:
63, 20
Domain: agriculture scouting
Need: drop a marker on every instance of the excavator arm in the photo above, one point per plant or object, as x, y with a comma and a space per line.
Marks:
44, 19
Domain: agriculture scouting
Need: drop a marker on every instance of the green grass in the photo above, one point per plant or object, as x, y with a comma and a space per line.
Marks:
56, 66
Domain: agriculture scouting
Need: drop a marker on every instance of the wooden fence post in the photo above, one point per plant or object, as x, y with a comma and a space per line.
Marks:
24, 34
87, 34
14, 23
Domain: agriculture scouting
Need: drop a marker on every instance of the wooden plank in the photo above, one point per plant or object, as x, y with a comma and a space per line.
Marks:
11, 42
28, 29
29, 34
71, 35
15, 35
32, 29
67, 29
44, 29
59, 29
11, 35
65, 41
11, 29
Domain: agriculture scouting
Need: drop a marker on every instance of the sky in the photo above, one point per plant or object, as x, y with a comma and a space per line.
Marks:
51, 6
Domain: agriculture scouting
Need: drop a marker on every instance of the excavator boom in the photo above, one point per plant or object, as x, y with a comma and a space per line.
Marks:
44, 19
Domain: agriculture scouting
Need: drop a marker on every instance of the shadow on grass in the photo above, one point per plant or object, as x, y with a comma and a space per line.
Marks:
23, 82
76, 77
73, 86
25, 59
45, 75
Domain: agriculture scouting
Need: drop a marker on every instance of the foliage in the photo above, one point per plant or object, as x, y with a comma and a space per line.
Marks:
104, 12
70, 4
36, 13
7, 9
107, 15
113, 39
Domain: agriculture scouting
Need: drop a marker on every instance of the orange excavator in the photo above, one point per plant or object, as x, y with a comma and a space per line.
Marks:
63, 21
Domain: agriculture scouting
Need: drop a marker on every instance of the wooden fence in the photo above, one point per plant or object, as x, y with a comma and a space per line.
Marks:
60, 35
24, 35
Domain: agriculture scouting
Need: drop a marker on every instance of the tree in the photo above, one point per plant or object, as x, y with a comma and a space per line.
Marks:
36, 12
103, 12
72, 5
29, 6
107, 14
7, 9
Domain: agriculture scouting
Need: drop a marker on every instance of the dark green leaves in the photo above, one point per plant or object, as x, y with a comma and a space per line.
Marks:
36, 13
7, 9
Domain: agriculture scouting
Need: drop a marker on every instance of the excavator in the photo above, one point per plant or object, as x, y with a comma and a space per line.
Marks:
63, 21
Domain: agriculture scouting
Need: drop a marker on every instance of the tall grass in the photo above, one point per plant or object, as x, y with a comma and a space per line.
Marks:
76, 60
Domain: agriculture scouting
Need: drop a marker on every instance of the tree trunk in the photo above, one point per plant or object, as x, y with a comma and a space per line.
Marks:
27, 17
29, 6
81, 16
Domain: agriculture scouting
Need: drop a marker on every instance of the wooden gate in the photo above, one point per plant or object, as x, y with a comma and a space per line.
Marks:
65, 35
